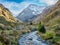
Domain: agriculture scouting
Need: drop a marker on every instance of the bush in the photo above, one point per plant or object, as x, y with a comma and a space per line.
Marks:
41, 28
1, 43
48, 35
1, 28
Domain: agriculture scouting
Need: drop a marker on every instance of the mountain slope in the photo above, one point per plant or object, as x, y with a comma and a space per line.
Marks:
7, 21
52, 24
43, 14
53, 18
11, 28
6, 14
55, 11
30, 13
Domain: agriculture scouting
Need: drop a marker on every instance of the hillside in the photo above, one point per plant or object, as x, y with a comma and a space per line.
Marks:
53, 16
7, 21
10, 27
52, 24
55, 11
4, 12
45, 11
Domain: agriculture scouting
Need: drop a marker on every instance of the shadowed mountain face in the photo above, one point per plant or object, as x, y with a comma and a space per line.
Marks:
43, 14
30, 13
48, 13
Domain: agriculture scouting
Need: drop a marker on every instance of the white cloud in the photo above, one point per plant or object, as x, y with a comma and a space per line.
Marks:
16, 8
49, 2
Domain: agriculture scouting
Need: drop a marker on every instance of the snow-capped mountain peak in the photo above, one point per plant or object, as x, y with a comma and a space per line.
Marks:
30, 13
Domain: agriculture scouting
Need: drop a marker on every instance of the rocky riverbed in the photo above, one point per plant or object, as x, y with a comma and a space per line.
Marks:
32, 39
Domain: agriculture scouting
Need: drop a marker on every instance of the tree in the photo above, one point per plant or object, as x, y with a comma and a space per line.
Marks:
41, 28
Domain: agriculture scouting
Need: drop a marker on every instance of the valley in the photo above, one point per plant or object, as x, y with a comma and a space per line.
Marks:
35, 25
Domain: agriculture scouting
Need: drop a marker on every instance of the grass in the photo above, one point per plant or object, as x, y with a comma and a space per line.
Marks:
52, 25
1, 43
47, 35
11, 36
9, 33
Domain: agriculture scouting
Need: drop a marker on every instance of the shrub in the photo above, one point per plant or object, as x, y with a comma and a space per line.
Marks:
1, 28
1, 43
41, 28
49, 35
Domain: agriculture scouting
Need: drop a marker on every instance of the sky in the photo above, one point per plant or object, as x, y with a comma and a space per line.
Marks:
16, 6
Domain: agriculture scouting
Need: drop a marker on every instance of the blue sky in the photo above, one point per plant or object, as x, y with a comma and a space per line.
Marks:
16, 6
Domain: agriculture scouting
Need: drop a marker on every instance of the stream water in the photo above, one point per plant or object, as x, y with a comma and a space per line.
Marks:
32, 39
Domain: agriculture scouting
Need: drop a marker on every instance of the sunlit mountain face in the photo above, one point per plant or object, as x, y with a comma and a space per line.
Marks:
30, 13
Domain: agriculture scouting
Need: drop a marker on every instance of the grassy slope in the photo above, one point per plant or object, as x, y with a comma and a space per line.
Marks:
8, 33
52, 24
8, 27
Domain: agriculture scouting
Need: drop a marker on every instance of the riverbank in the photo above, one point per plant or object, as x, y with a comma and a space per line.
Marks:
51, 37
32, 39
10, 37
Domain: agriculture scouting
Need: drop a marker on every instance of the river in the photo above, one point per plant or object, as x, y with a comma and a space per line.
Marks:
32, 39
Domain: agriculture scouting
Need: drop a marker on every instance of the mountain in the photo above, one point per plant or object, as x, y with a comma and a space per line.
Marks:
43, 14
55, 11
30, 13
4, 12
52, 24
7, 21
53, 18
11, 28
